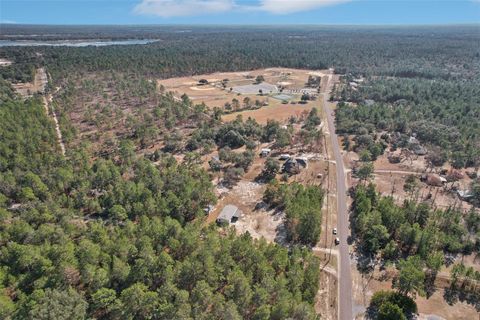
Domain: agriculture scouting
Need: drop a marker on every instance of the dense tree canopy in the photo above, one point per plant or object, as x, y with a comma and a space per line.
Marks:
124, 239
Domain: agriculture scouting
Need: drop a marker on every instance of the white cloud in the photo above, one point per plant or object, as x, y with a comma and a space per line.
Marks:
178, 8
288, 6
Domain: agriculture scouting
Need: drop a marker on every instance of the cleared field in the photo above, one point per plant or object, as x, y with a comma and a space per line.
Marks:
276, 110
217, 89
434, 307
37, 86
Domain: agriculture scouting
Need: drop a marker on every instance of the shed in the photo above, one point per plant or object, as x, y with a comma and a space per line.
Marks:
435, 180
465, 194
229, 214
265, 152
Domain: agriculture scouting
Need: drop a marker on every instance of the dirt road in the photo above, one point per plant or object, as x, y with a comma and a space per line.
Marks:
345, 279
47, 100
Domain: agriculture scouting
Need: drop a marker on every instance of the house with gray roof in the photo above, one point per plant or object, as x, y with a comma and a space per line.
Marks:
229, 214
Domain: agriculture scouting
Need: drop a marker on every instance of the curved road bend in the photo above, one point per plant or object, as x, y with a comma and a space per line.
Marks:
345, 304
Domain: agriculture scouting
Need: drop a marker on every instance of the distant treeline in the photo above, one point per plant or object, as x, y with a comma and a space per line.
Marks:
402, 52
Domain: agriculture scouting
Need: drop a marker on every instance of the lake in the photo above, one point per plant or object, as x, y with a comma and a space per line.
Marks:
72, 43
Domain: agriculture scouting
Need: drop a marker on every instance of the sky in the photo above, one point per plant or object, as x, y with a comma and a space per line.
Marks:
256, 12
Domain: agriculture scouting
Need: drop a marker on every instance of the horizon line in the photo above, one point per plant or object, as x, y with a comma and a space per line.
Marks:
242, 25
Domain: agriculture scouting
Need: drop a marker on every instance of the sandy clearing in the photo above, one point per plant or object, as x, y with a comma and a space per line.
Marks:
202, 89
5, 62
275, 111
316, 73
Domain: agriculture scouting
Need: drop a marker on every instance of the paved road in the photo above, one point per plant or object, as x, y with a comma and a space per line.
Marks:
345, 306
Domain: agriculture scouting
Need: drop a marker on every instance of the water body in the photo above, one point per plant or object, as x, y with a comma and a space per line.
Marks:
72, 43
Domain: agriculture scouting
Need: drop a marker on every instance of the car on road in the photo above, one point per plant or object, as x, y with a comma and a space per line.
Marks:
334, 231
337, 241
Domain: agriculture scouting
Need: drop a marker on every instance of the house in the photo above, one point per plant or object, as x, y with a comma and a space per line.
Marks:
434, 180
265, 152
393, 158
419, 150
291, 166
302, 161
229, 214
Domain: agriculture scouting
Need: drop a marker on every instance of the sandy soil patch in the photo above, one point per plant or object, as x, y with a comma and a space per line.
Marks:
390, 179
276, 111
316, 73
37, 86
263, 224
365, 286
5, 62
202, 89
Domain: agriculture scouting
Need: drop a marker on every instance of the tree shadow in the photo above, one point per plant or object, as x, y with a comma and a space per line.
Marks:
429, 284
453, 295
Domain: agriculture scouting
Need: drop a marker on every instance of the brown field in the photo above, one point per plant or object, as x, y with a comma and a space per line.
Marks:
366, 285
213, 95
276, 111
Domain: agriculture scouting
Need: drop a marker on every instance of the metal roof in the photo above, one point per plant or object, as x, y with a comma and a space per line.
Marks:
228, 212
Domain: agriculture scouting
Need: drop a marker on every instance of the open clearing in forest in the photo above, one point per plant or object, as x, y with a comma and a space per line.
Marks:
37, 86
435, 307
218, 91
5, 62
389, 179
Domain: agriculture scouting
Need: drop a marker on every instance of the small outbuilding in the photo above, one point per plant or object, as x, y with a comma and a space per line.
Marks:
434, 180
419, 150
465, 195
265, 152
230, 214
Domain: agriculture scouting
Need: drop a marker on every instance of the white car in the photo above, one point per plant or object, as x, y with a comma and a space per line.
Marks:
337, 241
334, 231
